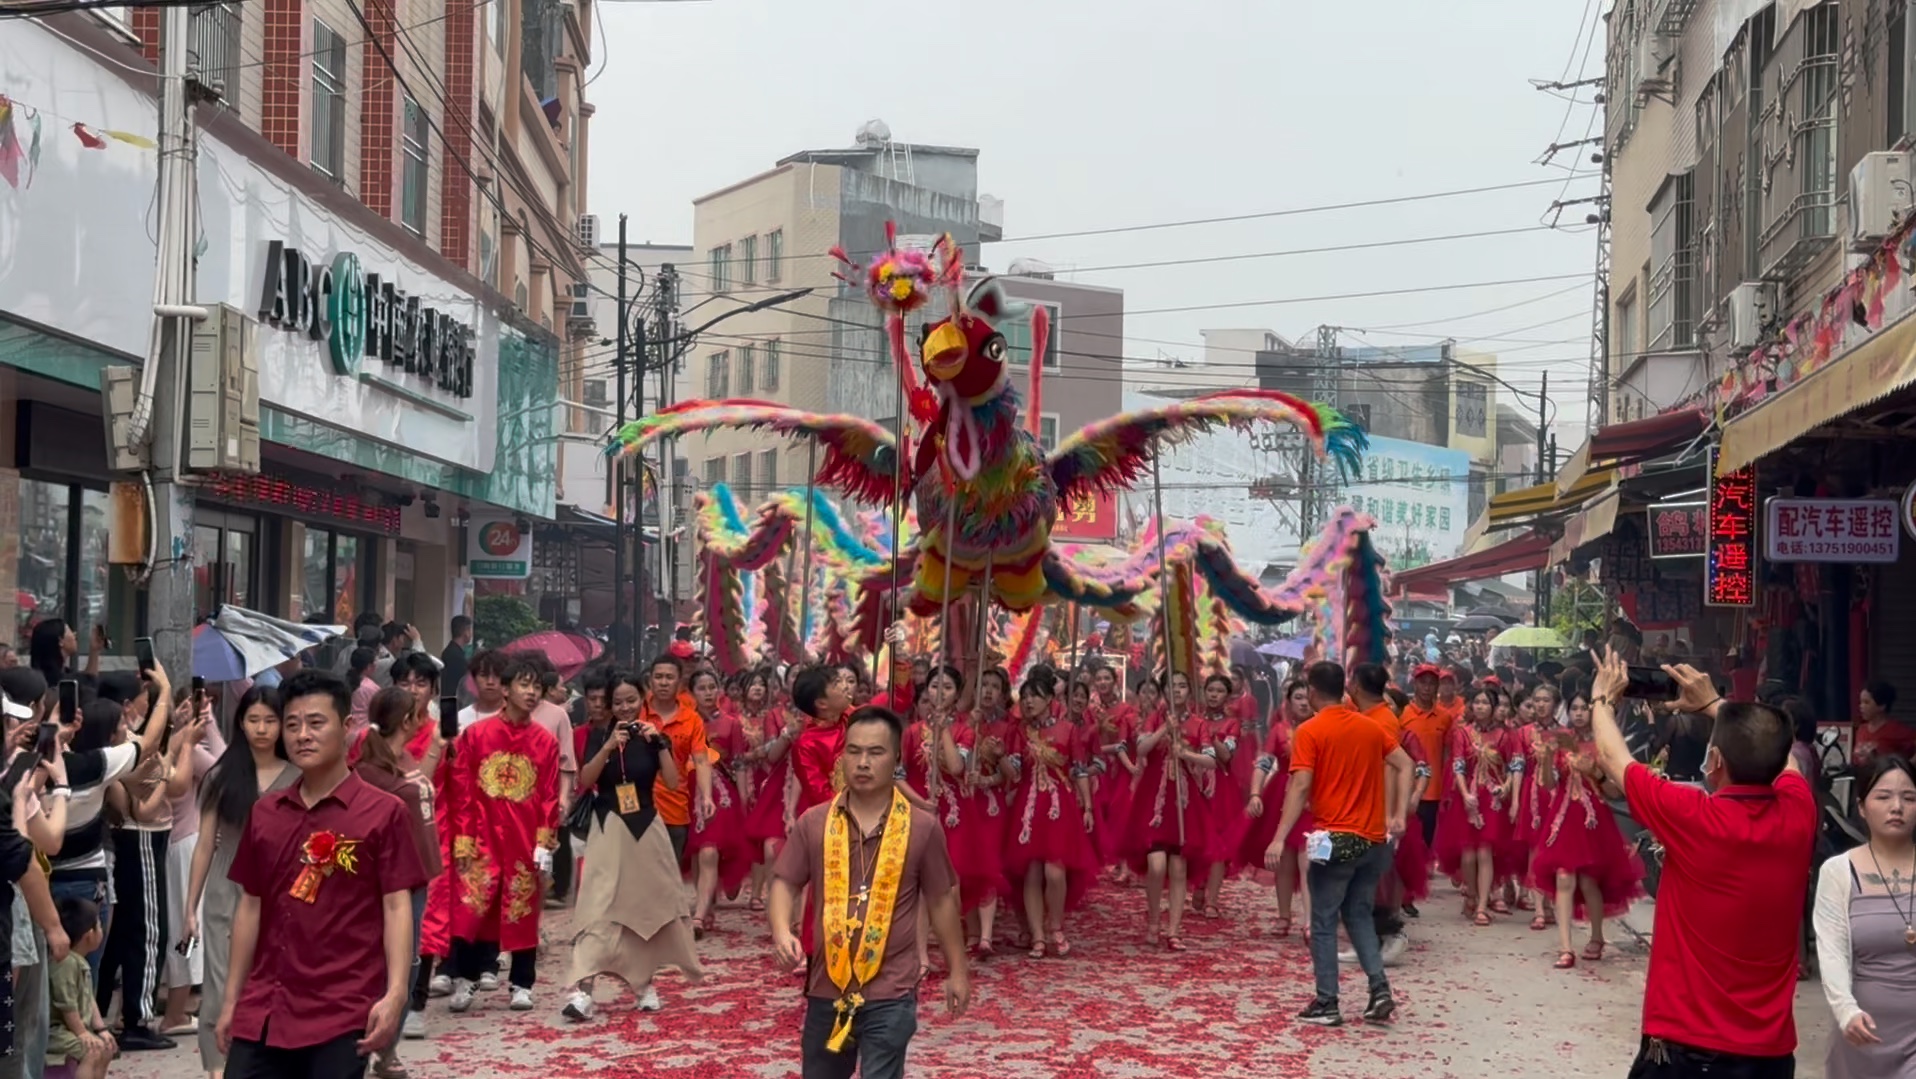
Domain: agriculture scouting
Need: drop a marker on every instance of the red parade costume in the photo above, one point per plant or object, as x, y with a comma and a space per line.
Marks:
1114, 730
1412, 860
1479, 767
1224, 814
1046, 818
977, 842
724, 831
1169, 799
1260, 830
505, 803
815, 762
1580, 835
775, 795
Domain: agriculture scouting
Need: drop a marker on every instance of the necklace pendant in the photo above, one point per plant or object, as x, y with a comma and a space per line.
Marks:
1909, 935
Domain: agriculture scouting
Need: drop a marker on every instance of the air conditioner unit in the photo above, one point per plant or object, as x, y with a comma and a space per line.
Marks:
581, 301
1655, 64
1752, 306
595, 393
588, 230
222, 380
1880, 196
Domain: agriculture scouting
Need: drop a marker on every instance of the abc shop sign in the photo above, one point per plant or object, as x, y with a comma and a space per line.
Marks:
360, 317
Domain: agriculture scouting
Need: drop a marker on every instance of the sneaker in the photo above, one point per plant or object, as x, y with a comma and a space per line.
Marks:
138, 1039
649, 1000
521, 999
1321, 1013
1394, 948
414, 1026
461, 995
578, 1006
440, 986
488, 982
1410, 909
1381, 1007
1347, 955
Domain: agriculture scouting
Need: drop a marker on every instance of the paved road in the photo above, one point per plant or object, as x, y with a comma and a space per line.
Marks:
1475, 1002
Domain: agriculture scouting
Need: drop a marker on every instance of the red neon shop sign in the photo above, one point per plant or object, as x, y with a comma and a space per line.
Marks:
1729, 573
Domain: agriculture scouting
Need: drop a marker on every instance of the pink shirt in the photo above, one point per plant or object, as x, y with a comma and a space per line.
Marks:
186, 813
554, 719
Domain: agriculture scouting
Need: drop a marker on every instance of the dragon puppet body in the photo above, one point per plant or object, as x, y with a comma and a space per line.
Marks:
986, 493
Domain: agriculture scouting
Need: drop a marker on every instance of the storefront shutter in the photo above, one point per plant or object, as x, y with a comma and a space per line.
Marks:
1892, 628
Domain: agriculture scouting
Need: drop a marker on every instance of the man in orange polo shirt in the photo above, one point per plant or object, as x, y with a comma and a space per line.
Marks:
1430, 719
1355, 778
677, 718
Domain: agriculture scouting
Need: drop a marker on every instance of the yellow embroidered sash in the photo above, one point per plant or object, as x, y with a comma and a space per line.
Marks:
854, 950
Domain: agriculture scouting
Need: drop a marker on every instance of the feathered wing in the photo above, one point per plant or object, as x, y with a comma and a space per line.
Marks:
860, 459
1116, 453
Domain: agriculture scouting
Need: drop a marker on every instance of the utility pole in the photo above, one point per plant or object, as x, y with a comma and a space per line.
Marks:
665, 307
1546, 471
617, 472
170, 594
1320, 480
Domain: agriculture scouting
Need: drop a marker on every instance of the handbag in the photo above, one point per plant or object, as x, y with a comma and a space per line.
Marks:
579, 821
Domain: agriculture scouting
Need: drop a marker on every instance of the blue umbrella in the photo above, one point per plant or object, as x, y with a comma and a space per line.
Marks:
214, 659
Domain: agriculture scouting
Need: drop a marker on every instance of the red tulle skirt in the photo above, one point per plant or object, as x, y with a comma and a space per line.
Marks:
770, 815
1255, 839
725, 831
1588, 843
1456, 835
1154, 820
977, 841
1226, 824
1111, 802
1048, 827
1412, 862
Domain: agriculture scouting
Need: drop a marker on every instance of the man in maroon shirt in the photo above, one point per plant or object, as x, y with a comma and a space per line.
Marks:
323, 939
1720, 992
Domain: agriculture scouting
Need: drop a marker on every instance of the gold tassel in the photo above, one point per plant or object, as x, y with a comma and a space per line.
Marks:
841, 1035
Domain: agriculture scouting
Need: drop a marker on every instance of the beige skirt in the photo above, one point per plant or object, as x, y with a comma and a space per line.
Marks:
632, 913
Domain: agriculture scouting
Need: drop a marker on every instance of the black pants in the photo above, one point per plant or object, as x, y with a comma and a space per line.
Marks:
471, 958
562, 868
336, 1059
680, 834
131, 960
1427, 816
1661, 1059
881, 1032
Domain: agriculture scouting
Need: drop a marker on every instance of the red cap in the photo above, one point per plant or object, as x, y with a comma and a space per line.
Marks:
1425, 670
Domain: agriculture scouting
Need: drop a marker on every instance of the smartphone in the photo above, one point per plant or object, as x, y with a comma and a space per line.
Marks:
1650, 684
143, 648
23, 763
199, 687
48, 743
69, 702
449, 717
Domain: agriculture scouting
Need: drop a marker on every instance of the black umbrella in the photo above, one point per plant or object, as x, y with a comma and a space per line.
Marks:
1497, 611
1479, 623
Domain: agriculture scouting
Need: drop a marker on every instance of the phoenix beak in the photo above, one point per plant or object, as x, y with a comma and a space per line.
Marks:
944, 352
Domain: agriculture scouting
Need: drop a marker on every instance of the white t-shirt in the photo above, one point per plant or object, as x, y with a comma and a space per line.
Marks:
83, 808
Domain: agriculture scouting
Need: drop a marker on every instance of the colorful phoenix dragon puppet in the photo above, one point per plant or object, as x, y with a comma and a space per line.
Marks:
986, 493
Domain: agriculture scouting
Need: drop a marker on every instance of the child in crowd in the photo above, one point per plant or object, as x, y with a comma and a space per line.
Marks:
78, 1045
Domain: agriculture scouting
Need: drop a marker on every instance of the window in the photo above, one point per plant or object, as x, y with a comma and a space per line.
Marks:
718, 380
62, 569
742, 475
1018, 339
213, 47
768, 470
768, 377
745, 359
1672, 242
714, 472
329, 101
412, 180
775, 256
1816, 131
1473, 400
1624, 333
748, 261
722, 269
1048, 431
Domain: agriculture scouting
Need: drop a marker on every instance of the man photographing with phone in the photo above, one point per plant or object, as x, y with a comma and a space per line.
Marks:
1721, 987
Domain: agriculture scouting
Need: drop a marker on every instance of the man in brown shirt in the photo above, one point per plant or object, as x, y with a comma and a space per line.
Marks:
881, 1006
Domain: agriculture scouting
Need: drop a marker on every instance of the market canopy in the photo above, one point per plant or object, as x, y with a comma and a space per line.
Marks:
1527, 552
1874, 369
1634, 442
1544, 498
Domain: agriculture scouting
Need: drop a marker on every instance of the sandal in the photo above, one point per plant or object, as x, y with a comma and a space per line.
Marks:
1539, 924
1565, 960
1480, 920
1060, 947
1593, 951
1523, 903
1037, 949
1282, 928
985, 949
758, 903
1212, 912
385, 1067
1498, 906
1173, 943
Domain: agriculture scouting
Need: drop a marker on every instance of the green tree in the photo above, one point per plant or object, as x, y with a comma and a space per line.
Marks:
498, 620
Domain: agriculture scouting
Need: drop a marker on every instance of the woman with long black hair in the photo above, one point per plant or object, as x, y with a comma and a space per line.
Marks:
52, 646
254, 764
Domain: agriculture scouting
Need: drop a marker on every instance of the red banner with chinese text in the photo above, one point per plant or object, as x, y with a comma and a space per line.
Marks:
1092, 519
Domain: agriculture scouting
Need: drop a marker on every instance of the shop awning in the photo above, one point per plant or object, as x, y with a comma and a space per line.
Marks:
1592, 523
1544, 498
1634, 442
1527, 552
1876, 368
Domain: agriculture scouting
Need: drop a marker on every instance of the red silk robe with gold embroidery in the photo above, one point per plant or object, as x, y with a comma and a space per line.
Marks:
504, 803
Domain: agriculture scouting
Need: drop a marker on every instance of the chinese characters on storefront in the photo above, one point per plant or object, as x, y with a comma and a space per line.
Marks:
1729, 569
1831, 530
1089, 519
1678, 529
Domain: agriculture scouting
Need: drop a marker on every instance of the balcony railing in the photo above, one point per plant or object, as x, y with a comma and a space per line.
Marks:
213, 45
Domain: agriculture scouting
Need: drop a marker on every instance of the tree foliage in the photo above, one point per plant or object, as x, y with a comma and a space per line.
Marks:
499, 620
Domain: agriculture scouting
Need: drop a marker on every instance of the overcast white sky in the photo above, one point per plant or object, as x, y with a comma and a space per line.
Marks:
1098, 113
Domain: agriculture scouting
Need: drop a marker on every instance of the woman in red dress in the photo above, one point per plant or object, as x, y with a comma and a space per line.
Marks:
1537, 715
980, 832
1117, 771
933, 765
718, 848
1474, 822
1167, 824
1266, 806
1412, 860
1051, 819
1582, 859
1225, 817
769, 730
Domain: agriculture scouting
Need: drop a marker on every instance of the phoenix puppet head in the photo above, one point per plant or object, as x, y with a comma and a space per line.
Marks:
966, 351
